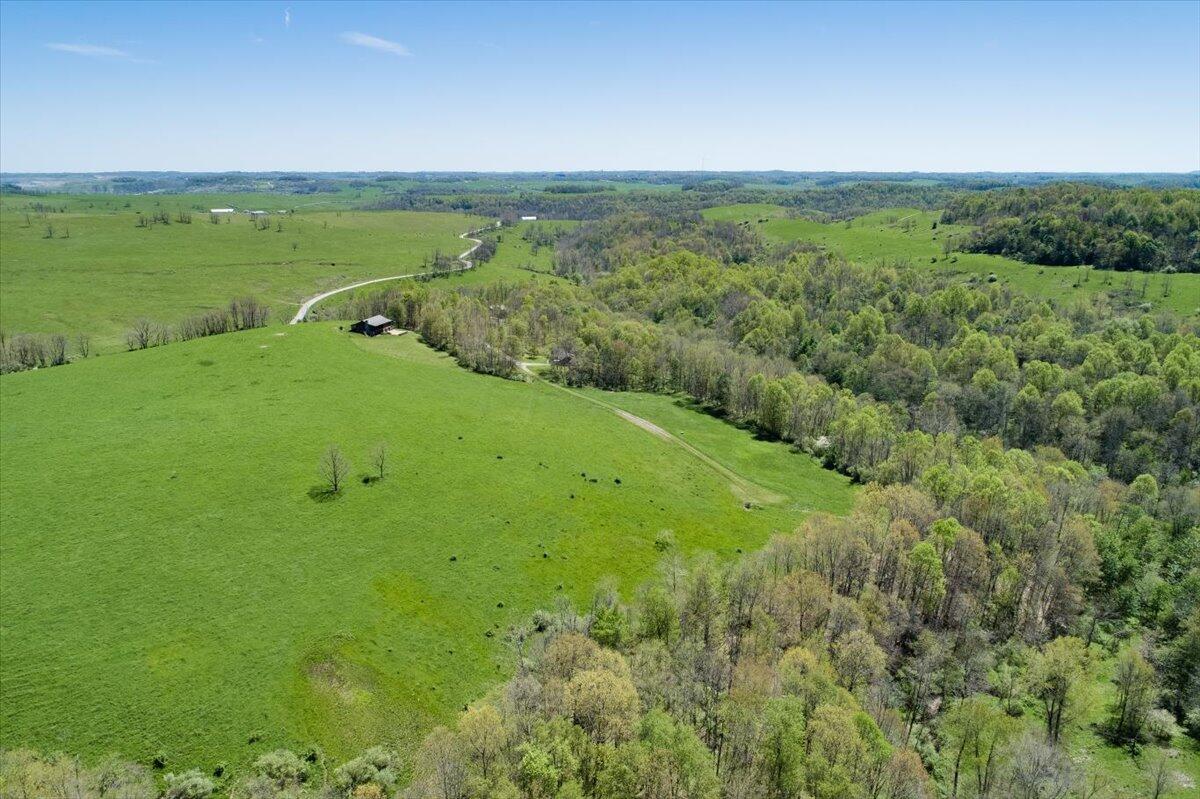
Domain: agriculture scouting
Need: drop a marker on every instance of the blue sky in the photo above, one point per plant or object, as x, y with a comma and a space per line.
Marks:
803, 86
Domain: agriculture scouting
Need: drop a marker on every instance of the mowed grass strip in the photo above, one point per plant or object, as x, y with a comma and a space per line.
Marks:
908, 234
169, 582
109, 272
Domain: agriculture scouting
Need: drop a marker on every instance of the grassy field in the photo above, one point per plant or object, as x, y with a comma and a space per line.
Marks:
110, 272
514, 252
514, 261
769, 464
907, 234
219, 608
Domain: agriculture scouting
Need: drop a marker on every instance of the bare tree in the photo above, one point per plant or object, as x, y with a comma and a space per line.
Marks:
1162, 779
1039, 771
83, 344
160, 334
379, 458
334, 468
58, 349
248, 312
139, 336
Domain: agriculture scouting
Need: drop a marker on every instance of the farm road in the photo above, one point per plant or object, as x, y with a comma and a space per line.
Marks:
746, 490
468, 236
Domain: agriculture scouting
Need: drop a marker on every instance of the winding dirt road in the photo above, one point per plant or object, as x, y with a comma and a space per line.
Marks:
462, 258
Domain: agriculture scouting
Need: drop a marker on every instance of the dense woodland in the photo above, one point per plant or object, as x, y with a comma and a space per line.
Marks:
1072, 223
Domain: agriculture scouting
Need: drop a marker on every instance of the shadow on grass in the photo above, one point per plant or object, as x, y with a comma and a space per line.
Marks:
716, 412
322, 493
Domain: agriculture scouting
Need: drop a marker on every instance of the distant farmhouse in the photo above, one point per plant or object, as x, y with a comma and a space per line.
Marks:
372, 326
529, 219
221, 211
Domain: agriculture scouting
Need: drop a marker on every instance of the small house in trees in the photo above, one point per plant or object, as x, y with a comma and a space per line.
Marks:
372, 326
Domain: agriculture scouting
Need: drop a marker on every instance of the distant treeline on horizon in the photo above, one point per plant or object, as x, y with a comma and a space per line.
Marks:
137, 182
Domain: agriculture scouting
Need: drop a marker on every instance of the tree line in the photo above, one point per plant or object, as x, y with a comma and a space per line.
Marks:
826, 202
242, 313
24, 351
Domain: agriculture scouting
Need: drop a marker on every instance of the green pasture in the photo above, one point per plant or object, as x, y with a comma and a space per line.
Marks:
514, 262
514, 252
198, 203
172, 578
99, 271
908, 234
769, 464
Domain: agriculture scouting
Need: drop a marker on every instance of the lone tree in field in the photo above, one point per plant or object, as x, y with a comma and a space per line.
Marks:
379, 458
334, 468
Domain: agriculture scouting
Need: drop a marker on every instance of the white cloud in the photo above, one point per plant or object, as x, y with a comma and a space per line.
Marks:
375, 43
287, 18
93, 50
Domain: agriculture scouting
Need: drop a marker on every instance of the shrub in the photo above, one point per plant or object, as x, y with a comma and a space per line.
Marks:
1161, 726
189, 785
377, 766
664, 541
282, 767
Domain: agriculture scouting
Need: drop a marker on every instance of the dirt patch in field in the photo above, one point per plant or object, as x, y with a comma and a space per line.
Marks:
339, 680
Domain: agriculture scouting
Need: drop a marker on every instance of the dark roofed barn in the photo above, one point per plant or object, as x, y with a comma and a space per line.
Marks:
372, 326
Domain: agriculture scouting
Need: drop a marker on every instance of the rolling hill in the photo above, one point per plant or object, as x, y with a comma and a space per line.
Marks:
221, 606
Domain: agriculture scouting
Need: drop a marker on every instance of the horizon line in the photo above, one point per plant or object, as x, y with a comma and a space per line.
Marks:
616, 171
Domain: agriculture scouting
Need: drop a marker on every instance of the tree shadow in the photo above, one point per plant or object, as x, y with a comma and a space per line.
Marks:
716, 412
322, 493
